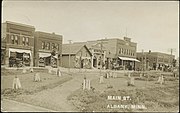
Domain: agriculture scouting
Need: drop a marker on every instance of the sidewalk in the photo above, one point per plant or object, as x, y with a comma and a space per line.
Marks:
14, 106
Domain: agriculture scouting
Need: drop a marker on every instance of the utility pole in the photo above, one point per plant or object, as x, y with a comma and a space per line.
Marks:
101, 57
143, 61
69, 54
171, 51
101, 63
80, 62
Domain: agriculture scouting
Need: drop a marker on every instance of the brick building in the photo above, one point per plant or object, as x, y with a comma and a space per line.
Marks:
44, 45
17, 47
76, 56
120, 53
154, 60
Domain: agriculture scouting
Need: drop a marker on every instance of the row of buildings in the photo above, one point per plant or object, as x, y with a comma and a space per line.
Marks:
22, 45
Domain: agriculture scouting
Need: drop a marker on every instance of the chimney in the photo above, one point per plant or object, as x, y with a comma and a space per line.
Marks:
127, 39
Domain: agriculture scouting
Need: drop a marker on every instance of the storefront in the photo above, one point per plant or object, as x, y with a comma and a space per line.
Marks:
127, 63
19, 57
46, 59
3, 56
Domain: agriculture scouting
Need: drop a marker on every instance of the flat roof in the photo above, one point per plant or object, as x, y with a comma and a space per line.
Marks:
47, 33
20, 24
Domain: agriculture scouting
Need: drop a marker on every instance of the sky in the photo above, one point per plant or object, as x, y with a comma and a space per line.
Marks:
152, 25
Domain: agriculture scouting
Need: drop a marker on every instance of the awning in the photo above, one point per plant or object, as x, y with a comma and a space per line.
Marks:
131, 59
19, 51
44, 54
56, 56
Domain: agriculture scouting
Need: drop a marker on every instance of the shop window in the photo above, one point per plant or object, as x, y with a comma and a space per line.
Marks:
43, 45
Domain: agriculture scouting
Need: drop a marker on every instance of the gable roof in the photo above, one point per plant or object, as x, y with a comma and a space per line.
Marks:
73, 48
91, 44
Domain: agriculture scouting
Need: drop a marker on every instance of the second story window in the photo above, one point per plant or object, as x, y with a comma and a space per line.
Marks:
47, 45
57, 47
12, 39
16, 39
27, 40
23, 41
43, 45
53, 46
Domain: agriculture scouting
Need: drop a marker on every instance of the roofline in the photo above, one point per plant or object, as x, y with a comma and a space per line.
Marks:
20, 24
48, 33
155, 53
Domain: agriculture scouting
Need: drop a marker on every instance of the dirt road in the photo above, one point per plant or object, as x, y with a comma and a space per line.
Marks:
14, 106
56, 98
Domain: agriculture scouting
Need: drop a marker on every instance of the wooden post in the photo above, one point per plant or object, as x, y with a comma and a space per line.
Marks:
140, 75
58, 72
159, 80
16, 83
84, 84
107, 75
129, 75
162, 80
132, 81
37, 77
101, 79
89, 84
49, 70
31, 70
24, 70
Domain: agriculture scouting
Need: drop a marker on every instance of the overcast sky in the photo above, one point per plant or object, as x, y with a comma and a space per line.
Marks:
152, 25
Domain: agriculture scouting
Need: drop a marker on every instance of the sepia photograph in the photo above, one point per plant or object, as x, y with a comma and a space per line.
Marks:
89, 56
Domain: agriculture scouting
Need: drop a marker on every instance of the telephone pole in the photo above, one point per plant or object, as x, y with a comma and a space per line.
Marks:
69, 54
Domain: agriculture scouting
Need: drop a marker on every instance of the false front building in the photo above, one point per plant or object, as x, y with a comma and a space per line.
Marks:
155, 61
17, 48
120, 53
76, 56
48, 49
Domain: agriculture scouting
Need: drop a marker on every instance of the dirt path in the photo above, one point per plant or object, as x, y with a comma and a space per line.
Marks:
56, 98
14, 106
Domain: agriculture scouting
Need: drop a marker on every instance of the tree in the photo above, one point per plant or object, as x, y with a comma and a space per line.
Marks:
53, 53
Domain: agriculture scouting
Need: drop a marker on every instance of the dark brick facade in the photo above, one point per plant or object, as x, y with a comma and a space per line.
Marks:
13, 36
46, 43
